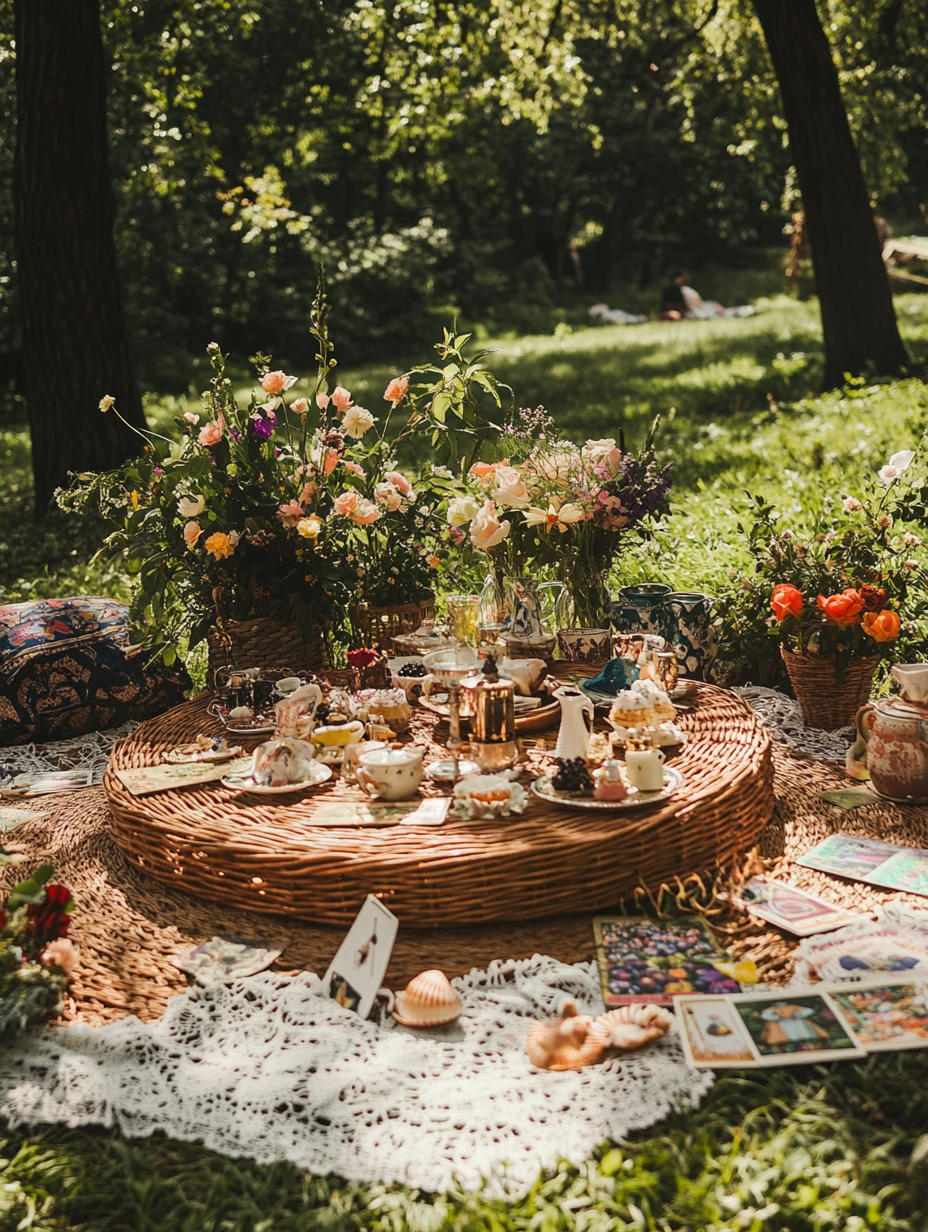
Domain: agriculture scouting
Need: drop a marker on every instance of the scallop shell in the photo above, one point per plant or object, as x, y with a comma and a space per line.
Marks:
563, 1043
630, 1026
427, 1001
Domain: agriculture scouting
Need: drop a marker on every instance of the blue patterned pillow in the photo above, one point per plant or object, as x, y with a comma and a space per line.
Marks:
66, 667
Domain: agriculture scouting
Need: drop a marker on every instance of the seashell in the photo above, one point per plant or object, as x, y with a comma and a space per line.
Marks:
630, 1026
427, 1001
563, 1043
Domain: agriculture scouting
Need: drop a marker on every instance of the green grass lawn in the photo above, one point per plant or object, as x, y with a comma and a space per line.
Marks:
819, 1148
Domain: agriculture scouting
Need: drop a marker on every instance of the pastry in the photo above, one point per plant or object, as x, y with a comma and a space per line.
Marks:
643, 705
391, 706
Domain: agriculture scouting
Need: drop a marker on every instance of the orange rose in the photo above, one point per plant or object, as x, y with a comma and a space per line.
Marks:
843, 609
397, 389
786, 601
882, 626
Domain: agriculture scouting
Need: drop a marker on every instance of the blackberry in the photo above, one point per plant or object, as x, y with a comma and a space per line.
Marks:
322, 713
572, 775
412, 669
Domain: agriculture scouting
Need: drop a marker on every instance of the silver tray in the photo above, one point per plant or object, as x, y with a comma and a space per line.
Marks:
673, 781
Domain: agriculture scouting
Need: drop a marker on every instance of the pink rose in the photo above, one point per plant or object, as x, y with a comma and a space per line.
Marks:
486, 530
277, 382
510, 490
354, 469
341, 399
346, 503
291, 513
192, 532
299, 406
63, 953
364, 513
456, 535
400, 482
330, 461
310, 490
386, 494
485, 472
211, 433
322, 401
396, 390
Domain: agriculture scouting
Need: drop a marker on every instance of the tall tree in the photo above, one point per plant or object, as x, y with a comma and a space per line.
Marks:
74, 340
858, 318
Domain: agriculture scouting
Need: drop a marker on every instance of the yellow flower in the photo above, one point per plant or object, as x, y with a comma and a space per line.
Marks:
134, 497
220, 544
106, 402
309, 527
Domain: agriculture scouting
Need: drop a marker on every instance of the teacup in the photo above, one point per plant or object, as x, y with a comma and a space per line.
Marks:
338, 735
645, 768
912, 679
353, 753
584, 645
391, 774
288, 685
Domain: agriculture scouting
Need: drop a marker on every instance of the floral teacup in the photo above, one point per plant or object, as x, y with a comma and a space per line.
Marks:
391, 774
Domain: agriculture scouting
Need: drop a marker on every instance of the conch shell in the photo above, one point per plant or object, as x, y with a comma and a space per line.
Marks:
630, 1026
563, 1043
427, 1001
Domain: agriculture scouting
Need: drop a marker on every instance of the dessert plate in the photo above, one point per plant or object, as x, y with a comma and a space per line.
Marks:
244, 782
673, 781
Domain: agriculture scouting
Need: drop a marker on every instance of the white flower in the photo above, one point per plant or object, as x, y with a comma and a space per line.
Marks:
554, 517
556, 463
911, 564
387, 494
442, 472
911, 541
106, 402
851, 504
190, 506
898, 463
190, 418
357, 421
462, 509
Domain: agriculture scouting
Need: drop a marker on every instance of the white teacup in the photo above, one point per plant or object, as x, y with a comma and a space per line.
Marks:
391, 774
354, 752
288, 685
645, 768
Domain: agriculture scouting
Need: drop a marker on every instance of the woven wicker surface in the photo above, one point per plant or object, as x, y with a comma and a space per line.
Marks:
268, 856
128, 925
825, 701
376, 627
264, 642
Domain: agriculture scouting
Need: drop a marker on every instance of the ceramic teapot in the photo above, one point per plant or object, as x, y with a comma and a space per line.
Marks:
895, 731
573, 738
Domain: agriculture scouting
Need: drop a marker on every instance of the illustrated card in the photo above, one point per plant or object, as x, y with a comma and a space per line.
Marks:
791, 909
907, 870
867, 948
641, 959
846, 856
10, 817
48, 784
428, 812
885, 1017
712, 1033
356, 972
796, 1029
850, 797
144, 780
224, 959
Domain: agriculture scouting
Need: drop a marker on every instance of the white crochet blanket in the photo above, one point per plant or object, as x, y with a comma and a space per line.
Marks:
271, 1069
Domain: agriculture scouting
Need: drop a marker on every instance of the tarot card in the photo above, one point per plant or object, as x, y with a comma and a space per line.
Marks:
10, 817
790, 909
144, 780
907, 870
796, 1028
712, 1033
357, 970
48, 784
886, 1016
846, 856
866, 948
428, 812
224, 959
656, 960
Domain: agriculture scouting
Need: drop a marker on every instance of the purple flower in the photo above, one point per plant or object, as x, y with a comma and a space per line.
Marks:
234, 433
263, 425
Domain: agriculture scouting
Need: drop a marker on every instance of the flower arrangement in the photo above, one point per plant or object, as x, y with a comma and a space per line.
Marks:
36, 956
553, 507
290, 507
852, 586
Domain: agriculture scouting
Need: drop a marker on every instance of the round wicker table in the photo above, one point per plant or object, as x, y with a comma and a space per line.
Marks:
264, 853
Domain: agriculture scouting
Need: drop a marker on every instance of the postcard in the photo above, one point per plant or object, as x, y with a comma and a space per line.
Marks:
356, 972
789, 908
10, 817
224, 959
712, 1033
144, 780
417, 812
907, 870
641, 959
48, 784
796, 1028
847, 856
885, 1017
867, 947
850, 797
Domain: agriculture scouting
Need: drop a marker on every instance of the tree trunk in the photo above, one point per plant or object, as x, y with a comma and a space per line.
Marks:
858, 318
75, 348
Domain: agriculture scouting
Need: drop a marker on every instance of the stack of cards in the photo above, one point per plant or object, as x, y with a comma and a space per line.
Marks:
865, 859
10, 817
221, 960
48, 784
790, 909
897, 941
657, 960
801, 1028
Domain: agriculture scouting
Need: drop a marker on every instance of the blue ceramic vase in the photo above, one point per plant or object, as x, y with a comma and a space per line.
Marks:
638, 609
688, 628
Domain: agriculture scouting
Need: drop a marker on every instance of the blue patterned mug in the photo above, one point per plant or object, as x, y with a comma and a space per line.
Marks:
689, 629
638, 609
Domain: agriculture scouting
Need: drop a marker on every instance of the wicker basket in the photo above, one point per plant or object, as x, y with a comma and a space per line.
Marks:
825, 699
265, 642
376, 627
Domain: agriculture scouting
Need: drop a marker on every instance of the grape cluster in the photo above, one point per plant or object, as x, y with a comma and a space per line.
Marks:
572, 775
413, 669
322, 713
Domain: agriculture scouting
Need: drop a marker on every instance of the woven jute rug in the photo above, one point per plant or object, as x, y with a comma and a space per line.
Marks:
129, 926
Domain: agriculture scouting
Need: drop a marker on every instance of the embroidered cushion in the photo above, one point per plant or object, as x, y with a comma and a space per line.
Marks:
66, 667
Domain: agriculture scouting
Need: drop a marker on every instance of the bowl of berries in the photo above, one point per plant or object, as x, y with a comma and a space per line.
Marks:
408, 672
573, 786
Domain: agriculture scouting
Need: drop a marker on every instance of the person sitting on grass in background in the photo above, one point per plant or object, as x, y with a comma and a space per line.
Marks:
679, 302
673, 303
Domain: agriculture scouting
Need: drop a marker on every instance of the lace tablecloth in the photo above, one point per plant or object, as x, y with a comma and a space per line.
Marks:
270, 1068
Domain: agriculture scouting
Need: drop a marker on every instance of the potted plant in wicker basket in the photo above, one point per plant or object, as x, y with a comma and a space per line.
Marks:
839, 596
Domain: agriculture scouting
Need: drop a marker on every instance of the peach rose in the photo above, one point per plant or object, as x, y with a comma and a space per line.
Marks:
400, 482
386, 494
433, 562
364, 513
192, 532
310, 490
510, 490
346, 503
396, 390
211, 433
341, 399
277, 382
354, 469
485, 472
309, 528
63, 953
882, 626
220, 544
843, 609
330, 461
299, 406
322, 401
291, 513
486, 530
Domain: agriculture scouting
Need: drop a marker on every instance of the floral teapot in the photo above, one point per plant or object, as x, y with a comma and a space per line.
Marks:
895, 732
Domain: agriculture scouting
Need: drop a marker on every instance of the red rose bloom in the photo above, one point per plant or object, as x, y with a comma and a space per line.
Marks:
362, 658
843, 609
786, 600
51, 918
873, 598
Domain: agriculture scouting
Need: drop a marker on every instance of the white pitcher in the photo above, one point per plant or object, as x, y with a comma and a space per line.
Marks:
573, 739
